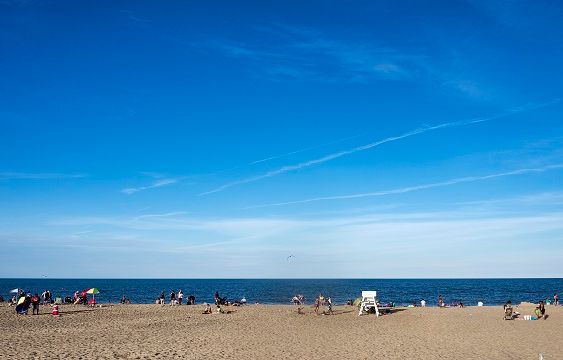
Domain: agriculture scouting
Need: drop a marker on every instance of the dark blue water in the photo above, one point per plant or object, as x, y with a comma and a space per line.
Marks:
280, 291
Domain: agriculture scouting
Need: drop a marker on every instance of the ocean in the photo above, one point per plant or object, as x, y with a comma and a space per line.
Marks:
280, 291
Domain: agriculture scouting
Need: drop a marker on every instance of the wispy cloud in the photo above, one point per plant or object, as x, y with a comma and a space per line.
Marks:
305, 54
418, 187
423, 237
38, 176
132, 16
339, 154
154, 185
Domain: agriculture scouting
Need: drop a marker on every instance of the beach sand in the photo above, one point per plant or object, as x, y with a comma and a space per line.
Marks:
278, 332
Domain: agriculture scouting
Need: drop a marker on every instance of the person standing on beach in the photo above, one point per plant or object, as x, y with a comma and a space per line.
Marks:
161, 298
180, 297
555, 299
172, 298
35, 304
423, 303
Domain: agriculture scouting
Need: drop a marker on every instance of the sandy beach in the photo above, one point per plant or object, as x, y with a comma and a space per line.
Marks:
277, 331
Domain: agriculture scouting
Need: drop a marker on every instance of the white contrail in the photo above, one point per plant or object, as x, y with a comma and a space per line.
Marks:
339, 154
418, 187
303, 150
279, 156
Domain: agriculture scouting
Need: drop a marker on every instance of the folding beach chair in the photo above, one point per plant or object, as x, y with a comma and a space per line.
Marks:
368, 302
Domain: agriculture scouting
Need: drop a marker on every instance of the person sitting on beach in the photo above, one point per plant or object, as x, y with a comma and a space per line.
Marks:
222, 310
191, 300
207, 309
508, 310
441, 302
540, 311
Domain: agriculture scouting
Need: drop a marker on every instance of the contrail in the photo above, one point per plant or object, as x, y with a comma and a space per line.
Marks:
303, 150
339, 154
418, 187
279, 156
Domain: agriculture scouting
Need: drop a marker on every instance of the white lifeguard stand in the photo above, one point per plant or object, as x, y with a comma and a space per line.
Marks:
368, 301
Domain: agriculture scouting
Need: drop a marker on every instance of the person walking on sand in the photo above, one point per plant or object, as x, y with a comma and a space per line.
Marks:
318, 303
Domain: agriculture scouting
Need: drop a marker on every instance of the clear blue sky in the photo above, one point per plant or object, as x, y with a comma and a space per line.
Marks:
216, 139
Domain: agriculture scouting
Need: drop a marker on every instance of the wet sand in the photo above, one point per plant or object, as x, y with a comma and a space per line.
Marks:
277, 332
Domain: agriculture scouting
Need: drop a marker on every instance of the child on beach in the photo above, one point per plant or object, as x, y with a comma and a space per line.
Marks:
55, 310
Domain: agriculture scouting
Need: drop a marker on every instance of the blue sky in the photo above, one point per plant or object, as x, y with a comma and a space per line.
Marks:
215, 139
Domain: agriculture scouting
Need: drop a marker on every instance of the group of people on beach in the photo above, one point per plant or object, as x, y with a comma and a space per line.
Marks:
221, 302
321, 302
23, 301
510, 312
176, 298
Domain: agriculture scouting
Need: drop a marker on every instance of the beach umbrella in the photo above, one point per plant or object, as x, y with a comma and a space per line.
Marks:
93, 291
357, 301
15, 291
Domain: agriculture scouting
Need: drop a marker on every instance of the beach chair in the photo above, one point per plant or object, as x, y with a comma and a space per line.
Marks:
368, 302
